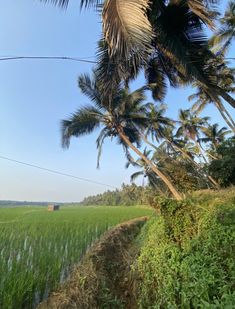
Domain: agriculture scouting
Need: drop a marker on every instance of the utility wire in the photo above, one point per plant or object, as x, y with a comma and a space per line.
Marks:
4, 58
46, 58
57, 172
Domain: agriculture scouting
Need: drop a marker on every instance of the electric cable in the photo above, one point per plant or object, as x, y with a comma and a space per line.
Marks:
57, 172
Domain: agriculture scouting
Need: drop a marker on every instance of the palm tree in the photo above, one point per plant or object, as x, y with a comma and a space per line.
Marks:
168, 33
158, 122
214, 135
203, 98
145, 171
123, 118
190, 124
226, 33
188, 151
190, 127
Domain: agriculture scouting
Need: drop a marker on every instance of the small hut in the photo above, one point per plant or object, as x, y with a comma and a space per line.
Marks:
53, 207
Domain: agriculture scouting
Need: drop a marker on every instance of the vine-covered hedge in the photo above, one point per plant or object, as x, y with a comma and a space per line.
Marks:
188, 253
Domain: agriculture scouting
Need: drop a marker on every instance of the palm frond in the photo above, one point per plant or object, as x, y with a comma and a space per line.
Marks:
204, 11
89, 88
110, 73
83, 3
126, 28
136, 175
156, 80
105, 132
82, 122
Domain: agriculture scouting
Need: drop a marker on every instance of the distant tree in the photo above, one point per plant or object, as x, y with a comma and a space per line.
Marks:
214, 135
145, 172
223, 169
127, 195
191, 126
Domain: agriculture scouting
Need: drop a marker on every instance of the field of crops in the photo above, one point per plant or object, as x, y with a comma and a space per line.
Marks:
39, 248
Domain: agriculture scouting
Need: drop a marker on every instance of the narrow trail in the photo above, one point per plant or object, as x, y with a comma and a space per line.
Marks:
103, 279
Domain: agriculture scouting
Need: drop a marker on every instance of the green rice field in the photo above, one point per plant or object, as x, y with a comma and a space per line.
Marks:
38, 248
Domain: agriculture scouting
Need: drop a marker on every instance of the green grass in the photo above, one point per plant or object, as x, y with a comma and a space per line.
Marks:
188, 254
39, 248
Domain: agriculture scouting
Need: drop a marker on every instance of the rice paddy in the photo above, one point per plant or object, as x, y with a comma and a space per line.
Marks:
38, 248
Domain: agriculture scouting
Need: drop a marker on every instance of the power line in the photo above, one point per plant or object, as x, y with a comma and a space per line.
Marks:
8, 58
57, 172
46, 58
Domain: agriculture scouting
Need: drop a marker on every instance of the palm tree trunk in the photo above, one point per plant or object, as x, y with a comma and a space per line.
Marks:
201, 151
225, 96
148, 142
205, 160
228, 115
211, 179
222, 110
173, 145
167, 182
212, 157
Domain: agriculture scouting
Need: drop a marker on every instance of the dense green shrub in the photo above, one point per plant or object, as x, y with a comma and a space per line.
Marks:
187, 258
223, 169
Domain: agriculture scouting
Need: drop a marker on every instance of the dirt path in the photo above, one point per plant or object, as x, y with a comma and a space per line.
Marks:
103, 279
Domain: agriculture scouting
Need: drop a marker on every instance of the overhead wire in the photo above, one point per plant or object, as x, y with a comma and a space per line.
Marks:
57, 172
84, 59
46, 58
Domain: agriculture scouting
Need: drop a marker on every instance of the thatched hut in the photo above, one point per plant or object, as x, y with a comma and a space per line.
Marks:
53, 207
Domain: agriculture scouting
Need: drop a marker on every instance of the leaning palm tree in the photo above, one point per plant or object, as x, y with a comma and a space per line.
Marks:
123, 117
189, 151
202, 98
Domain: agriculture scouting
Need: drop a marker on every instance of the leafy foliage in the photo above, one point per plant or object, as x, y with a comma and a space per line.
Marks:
128, 195
187, 256
223, 168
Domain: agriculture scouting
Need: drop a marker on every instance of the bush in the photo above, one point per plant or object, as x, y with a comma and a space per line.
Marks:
187, 258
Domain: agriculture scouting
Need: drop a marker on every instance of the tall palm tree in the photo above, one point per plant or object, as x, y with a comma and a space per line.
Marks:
158, 122
214, 135
123, 117
226, 33
191, 126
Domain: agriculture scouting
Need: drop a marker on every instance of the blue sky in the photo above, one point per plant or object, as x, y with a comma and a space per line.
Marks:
36, 95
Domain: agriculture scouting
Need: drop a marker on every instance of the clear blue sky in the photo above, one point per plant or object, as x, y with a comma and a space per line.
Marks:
36, 95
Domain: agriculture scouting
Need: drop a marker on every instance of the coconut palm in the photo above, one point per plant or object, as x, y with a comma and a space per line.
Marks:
145, 171
122, 118
189, 151
158, 122
169, 33
226, 33
204, 97
214, 135
191, 126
